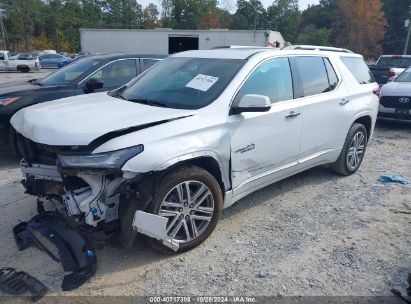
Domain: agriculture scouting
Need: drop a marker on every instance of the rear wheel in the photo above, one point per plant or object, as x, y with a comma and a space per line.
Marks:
353, 151
192, 201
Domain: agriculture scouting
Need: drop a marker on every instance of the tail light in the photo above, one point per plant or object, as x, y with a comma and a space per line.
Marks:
391, 74
377, 92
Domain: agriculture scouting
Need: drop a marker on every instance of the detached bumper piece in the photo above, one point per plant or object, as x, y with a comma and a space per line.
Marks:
18, 282
50, 233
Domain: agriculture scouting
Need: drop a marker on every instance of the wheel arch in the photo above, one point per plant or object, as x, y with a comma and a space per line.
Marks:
366, 121
206, 162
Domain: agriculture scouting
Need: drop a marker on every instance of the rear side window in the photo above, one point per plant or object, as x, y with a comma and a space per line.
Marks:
146, 63
313, 75
358, 69
332, 77
395, 61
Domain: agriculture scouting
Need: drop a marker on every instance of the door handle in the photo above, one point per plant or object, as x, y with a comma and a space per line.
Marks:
344, 101
292, 114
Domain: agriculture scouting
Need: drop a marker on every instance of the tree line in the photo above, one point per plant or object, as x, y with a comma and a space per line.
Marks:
369, 27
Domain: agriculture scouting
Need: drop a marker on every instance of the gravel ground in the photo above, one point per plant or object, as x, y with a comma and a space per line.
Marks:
312, 234
18, 76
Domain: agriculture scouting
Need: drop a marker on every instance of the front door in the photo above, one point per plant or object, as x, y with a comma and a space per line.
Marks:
265, 145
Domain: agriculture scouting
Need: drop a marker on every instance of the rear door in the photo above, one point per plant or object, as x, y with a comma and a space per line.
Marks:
325, 107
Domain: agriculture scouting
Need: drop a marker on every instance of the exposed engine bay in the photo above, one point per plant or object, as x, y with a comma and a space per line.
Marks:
81, 201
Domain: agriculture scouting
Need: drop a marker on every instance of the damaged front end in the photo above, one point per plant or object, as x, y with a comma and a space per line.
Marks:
85, 191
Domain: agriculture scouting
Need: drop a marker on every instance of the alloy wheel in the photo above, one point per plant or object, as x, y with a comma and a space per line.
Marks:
356, 151
189, 207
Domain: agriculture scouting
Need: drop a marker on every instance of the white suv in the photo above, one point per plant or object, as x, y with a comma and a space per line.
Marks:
166, 153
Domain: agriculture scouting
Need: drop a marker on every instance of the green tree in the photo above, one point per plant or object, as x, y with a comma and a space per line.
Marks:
187, 14
396, 13
22, 17
284, 16
123, 13
250, 15
150, 16
315, 36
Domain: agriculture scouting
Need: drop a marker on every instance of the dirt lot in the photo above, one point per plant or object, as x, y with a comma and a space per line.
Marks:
313, 234
18, 76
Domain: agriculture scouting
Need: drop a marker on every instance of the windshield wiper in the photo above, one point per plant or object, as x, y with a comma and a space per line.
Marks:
120, 96
149, 102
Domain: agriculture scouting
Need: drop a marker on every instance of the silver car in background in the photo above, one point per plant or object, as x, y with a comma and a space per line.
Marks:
395, 100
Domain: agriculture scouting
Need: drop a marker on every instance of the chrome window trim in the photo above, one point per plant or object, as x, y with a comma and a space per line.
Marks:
120, 59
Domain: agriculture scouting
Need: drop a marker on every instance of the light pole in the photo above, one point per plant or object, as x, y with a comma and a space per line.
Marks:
409, 32
2, 11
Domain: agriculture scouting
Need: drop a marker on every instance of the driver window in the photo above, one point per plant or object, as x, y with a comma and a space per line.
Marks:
1, 56
117, 73
272, 78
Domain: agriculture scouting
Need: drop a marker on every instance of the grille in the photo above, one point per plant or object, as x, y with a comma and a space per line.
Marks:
38, 153
396, 102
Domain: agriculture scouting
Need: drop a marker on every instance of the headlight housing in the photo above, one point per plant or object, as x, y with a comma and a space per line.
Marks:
5, 101
111, 161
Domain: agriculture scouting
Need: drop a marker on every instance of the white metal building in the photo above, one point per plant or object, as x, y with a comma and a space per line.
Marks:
168, 41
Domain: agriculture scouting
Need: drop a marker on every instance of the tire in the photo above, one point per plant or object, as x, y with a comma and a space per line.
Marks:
24, 69
353, 151
211, 198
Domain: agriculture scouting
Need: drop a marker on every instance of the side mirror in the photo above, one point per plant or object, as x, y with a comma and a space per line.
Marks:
93, 84
252, 103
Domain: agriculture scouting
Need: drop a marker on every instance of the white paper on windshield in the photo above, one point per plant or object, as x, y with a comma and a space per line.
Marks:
202, 82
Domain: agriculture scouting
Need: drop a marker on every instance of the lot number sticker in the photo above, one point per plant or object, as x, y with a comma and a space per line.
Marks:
202, 82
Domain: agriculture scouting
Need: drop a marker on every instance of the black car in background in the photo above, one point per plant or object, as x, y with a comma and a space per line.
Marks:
87, 75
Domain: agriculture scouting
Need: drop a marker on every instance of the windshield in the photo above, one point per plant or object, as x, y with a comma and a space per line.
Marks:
397, 62
67, 74
184, 83
404, 76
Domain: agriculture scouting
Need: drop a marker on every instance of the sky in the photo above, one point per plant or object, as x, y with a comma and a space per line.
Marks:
230, 4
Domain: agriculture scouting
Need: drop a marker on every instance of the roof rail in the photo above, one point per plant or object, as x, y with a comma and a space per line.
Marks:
316, 48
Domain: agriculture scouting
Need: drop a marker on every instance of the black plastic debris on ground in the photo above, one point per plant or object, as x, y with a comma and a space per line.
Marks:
49, 232
18, 282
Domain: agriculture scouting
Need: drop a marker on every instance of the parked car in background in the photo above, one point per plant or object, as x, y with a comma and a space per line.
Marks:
25, 56
25, 66
36, 53
395, 100
49, 52
52, 60
65, 62
65, 54
388, 67
194, 134
88, 75
84, 54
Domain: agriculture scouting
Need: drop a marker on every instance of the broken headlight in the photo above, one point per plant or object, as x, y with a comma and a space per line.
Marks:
99, 161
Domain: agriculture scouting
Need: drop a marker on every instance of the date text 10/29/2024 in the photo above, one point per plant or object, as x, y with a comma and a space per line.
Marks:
231, 299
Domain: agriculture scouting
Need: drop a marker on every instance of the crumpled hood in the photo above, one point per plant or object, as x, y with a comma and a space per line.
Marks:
78, 120
396, 88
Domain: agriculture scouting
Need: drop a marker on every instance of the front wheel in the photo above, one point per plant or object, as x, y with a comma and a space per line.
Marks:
192, 201
353, 151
